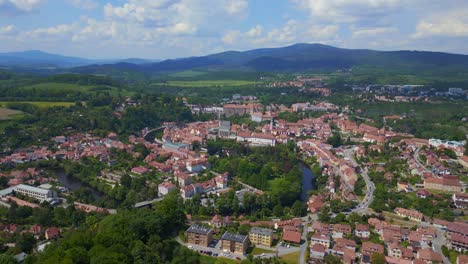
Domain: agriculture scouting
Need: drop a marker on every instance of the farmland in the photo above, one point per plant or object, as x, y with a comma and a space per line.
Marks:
38, 104
206, 83
6, 114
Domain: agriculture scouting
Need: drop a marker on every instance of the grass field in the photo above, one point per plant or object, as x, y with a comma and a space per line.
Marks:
258, 251
54, 87
189, 73
219, 260
38, 104
7, 114
291, 258
206, 83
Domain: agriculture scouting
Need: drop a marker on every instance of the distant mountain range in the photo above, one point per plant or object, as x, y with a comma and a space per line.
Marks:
298, 57
39, 59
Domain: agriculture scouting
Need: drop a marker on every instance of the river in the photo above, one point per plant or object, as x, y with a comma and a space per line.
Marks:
308, 182
73, 184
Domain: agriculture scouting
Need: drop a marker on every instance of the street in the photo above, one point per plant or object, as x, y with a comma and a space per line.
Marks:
416, 158
369, 196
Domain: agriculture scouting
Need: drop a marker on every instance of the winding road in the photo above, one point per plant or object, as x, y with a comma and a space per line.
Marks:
362, 207
416, 158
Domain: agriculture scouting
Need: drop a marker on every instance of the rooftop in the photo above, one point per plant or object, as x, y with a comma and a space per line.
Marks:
261, 231
199, 230
234, 237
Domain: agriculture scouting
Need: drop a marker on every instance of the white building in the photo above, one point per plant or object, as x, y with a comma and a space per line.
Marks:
165, 187
36, 193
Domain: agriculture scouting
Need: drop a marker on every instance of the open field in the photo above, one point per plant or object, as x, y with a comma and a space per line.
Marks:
38, 104
258, 251
6, 114
66, 87
291, 258
187, 74
211, 260
206, 83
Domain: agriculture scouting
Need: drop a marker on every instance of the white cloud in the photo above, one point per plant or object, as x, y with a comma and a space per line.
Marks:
255, 31
452, 23
8, 30
234, 7
51, 31
348, 10
372, 32
231, 37
13, 7
84, 4
291, 32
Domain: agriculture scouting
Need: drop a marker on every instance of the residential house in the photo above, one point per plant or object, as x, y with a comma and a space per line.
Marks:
368, 249
317, 251
429, 256
165, 187
199, 235
460, 200
52, 233
411, 214
235, 243
462, 259
220, 221
292, 236
443, 184
362, 231
340, 230
140, 170
319, 238
261, 236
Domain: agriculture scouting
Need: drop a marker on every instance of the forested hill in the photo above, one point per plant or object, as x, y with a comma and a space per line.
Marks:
302, 57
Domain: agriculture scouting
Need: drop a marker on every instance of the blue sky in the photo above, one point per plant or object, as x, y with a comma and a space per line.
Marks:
161, 29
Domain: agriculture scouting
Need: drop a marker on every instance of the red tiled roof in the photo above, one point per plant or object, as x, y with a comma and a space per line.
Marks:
292, 236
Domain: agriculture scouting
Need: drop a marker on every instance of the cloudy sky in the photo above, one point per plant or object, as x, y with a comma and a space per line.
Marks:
162, 29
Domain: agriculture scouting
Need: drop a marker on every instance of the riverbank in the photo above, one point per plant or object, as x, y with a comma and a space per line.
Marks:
308, 181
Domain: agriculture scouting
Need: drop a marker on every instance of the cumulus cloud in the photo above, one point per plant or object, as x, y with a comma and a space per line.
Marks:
8, 30
292, 31
14, 7
255, 31
452, 23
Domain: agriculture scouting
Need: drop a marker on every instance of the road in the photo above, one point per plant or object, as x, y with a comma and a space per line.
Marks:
438, 242
416, 158
303, 247
363, 205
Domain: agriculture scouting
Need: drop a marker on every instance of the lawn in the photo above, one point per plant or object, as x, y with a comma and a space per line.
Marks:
207, 83
39, 104
211, 260
7, 114
258, 251
291, 258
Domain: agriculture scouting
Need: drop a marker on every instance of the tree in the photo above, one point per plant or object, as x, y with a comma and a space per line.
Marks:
378, 258
445, 251
335, 140
26, 242
244, 229
278, 210
298, 208
332, 259
7, 259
